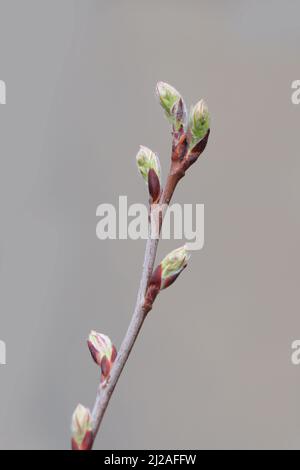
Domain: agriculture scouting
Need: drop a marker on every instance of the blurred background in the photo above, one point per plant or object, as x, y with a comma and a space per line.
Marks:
212, 367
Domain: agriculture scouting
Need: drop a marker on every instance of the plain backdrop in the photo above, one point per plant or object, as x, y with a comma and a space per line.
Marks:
212, 367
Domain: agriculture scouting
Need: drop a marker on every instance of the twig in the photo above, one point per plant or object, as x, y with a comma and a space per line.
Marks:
137, 320
177, 171
85, 425
139, 315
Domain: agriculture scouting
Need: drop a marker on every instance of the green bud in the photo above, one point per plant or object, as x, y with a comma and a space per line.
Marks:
81, 429
199, 122
165, 274
172, 265
175, 109
167, 96
103, 352
146, 160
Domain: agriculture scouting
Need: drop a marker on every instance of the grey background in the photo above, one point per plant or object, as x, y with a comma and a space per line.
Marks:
212, 366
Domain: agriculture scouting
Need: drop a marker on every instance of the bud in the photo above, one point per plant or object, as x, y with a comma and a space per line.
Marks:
146, 161
167, 96
172, 265
173, 104
103, 352
82, 436
199, 123
165, 274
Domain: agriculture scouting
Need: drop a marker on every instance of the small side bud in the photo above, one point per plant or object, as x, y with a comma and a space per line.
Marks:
103, 352
82, 436
165, 274
149, 166
199, 123
172, 265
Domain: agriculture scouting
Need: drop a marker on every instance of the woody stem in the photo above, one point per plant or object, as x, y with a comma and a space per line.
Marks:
141, 309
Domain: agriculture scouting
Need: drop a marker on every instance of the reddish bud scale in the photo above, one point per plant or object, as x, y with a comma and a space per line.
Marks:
180, 149
93, 351
105, 367
155, 279
169, 281
177, 134
86, 444
153, 185
153, 288
179, 113
179, 110
198, 149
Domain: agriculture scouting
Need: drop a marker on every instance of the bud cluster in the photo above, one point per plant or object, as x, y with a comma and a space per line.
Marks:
196, 127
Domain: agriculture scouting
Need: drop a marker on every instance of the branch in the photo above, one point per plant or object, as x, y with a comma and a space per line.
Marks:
183, 156
139, 315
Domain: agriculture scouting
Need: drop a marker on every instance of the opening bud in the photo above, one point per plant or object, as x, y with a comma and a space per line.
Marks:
103, 352
165, 274
173, 105
172, 265
167, 96
149, 166
199, 123
82, 437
